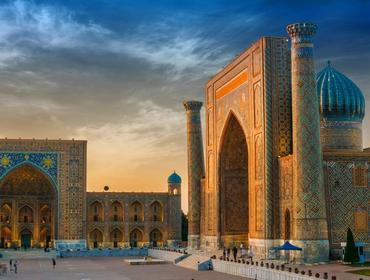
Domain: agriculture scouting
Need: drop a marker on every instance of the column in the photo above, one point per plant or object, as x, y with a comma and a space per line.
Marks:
310, 229
195, 169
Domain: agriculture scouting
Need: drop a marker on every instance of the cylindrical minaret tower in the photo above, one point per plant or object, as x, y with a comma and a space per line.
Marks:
174, 209
195, 169
310, 229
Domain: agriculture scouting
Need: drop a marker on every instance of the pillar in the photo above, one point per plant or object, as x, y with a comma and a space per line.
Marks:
310, 229
195, 169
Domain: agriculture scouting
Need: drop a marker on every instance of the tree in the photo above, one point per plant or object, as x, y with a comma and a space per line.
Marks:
184, 226
351, 252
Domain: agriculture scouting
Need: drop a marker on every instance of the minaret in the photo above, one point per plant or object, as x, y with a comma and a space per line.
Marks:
195, 169
310, 229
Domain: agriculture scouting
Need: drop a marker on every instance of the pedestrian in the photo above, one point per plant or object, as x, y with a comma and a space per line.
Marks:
11, 264
16, 267
54, 262
224, 253
228, 253
235, 252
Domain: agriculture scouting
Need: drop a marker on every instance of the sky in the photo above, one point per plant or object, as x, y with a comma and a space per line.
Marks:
115, 72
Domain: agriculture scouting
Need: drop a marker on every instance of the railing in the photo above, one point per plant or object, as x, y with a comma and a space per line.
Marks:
265, 271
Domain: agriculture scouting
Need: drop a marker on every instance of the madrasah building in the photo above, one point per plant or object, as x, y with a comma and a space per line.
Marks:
44, 202
284, 158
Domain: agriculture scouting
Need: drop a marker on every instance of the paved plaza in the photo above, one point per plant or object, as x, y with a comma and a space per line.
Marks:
107, 268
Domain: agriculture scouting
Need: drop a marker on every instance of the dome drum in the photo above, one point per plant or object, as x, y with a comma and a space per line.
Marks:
341, 135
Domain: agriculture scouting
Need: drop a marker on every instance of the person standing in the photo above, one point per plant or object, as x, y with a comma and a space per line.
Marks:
54, 263
235, 252
15, 266
228, 253
224, 253
11, 265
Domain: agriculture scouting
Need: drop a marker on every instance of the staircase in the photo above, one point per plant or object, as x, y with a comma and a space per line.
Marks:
27, 254
196, 262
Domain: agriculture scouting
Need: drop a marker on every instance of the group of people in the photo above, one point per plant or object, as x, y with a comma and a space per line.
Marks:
13, 265
242, 250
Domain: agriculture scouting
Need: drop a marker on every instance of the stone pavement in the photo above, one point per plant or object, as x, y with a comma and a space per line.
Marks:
111, 268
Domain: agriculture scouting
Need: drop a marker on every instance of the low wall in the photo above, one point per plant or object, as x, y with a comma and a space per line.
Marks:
105, 253
168, 256
255, 272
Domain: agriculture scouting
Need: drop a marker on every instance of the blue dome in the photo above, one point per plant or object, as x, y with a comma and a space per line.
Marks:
340, 98
174, 178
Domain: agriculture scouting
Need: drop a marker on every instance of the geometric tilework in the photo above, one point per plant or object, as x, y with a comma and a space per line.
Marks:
45, 161
309, 209
343, 200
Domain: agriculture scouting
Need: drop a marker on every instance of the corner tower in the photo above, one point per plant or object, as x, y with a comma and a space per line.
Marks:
174, 209
310, 229
195, 169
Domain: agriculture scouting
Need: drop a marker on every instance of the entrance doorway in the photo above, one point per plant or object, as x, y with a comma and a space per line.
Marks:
26, 237
35, 194
233, 179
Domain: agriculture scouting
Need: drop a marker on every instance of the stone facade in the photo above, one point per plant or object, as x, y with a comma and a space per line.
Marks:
248, 119
118, 219
266, 178
61, 165
43, 201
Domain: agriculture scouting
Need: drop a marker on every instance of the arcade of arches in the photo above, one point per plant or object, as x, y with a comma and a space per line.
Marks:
129, 219
27, 209
116, 219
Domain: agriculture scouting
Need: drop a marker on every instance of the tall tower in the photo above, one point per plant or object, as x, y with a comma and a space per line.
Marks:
195, 169
310, 230
174, 209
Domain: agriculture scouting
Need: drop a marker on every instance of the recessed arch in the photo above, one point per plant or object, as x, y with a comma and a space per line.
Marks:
96, 237
35, 167
233, 192
287, 225
136, 237
96, 211
136, 211
155, 237
116, 236
156, 211
25, 214
37, 189
116, 211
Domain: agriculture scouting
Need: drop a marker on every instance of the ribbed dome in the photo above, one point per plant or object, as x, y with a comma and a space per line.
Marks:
174, 178
340, 98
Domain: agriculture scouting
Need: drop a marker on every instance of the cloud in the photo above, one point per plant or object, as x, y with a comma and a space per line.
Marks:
153, 128
27, 24
180, 50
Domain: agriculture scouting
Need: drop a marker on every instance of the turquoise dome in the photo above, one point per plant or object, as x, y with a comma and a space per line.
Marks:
340, 98
174, 178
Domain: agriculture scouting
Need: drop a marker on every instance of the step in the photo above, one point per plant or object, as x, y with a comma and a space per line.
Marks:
196, 262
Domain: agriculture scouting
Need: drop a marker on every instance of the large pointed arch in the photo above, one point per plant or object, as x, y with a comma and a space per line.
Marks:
233, 184
37, 187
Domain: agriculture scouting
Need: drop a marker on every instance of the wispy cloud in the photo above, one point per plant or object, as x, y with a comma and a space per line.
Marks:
28, 24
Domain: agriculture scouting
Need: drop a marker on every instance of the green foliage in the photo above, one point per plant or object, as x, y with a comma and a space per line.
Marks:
184, 226
351, 252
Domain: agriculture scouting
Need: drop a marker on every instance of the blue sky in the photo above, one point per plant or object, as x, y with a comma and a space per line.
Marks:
115, 72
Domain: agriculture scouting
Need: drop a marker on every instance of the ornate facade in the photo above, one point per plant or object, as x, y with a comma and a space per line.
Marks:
273, 171
43, 201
